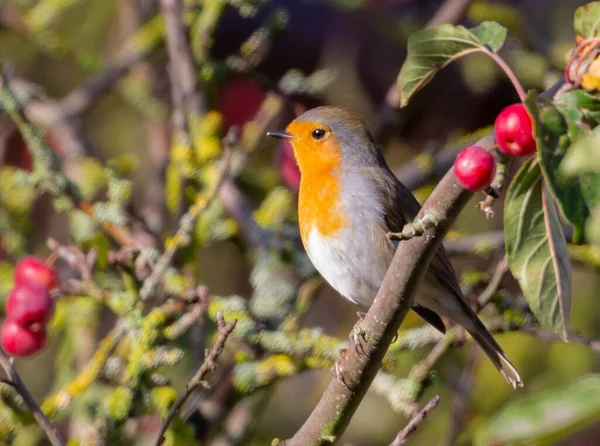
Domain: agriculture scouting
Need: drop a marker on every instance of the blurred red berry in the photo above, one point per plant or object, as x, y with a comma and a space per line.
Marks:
238, 100
514, 131
20, 341
475, 168
288, 168
32, 269
29, 303
18, 154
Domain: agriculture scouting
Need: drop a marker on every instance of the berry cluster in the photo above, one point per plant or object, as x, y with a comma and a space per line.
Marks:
475, 167
29, 307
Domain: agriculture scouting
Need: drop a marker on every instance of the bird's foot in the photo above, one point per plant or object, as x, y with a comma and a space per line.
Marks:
357, 336
415, 228
337, 369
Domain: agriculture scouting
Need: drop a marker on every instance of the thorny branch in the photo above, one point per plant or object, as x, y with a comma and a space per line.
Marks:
209, 364
15, 381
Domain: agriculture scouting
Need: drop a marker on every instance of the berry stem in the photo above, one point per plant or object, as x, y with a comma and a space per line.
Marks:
584, 54
509, 73
576, 52
52, 258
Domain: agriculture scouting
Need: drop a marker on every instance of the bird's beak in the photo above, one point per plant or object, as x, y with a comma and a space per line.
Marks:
282, 134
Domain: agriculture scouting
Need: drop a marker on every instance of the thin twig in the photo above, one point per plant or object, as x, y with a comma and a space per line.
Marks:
189, 219
415, 421
572, 338
209, 364
494, 284
451, 11
463, 387
7, 363
187, 99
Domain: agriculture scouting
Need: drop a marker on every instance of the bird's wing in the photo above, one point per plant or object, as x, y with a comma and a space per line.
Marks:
401, 207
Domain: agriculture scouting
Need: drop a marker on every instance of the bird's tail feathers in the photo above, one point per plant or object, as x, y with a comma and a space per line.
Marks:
493, 350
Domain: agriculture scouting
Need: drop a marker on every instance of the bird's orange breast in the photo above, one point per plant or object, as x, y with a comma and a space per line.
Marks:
319, 204
319, 207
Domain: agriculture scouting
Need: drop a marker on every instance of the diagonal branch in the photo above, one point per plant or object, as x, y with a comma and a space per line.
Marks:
15, 381
415, 421
451, 11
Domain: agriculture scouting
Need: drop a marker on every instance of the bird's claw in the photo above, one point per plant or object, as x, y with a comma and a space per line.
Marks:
357, 340
357, 336
337, 369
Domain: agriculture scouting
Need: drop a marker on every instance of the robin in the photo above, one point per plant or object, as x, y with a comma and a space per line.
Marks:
349, 200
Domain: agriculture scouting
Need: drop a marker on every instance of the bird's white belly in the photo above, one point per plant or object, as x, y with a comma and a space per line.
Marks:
350, 263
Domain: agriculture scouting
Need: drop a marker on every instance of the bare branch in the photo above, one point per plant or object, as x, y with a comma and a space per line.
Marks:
15, 381
187, 99
415, 421
494, 285
451, 11
209, 364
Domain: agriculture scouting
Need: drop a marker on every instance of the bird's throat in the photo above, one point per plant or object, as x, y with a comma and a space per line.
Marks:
319, 205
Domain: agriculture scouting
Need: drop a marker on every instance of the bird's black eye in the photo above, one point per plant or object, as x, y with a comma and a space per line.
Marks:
318, 133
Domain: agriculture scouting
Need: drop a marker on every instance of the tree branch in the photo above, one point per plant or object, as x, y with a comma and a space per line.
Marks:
415, 421
15, 381
451, 11
187, 100
209, 364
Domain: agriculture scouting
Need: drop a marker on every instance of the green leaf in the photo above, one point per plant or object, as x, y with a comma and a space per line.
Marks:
583, 162
546, 418
587, 20
491, 35
432, 49
537, 249
553, 133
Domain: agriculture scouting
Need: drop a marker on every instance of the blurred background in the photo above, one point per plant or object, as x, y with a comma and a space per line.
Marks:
95, 76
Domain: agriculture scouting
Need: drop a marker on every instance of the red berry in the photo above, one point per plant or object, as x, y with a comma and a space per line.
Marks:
20, 341
29, 303
475, 168
32, 269
238, 100
514, 131
288, 168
